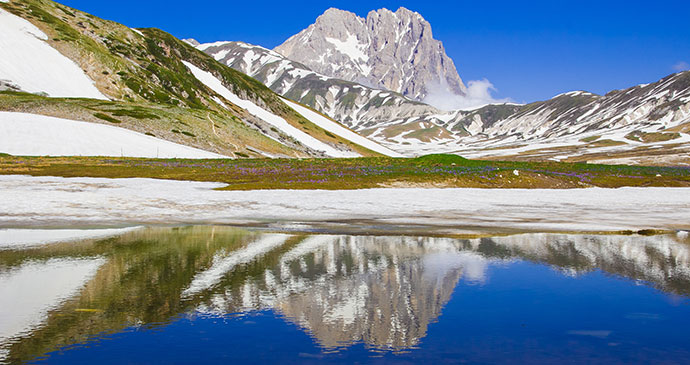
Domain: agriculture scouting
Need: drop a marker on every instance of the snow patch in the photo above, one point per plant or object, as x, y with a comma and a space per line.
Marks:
25, 134
214, 84
32, 64
350, 47
205, 46
57, 200
339, 130
220, 55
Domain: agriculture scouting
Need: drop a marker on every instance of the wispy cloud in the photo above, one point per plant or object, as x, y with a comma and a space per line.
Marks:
681, 66
478, 94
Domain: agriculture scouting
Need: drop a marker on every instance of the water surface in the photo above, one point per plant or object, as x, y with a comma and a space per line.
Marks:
223, 295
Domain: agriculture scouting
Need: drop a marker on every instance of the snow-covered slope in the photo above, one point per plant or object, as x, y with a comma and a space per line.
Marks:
339, 130
354, 105
216, 85
38, 135
643, 120
49, 49
30, 64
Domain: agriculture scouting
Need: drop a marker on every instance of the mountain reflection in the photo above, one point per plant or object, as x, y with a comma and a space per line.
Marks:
380, 291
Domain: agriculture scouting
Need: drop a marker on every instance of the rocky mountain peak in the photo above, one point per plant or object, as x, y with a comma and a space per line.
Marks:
389, 50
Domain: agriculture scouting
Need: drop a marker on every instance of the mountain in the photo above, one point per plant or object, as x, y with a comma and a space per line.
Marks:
60, 62
643, 124
391, 50
239, 100
354, 105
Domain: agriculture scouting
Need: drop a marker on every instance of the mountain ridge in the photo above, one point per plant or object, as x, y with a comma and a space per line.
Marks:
391, 50
494, 130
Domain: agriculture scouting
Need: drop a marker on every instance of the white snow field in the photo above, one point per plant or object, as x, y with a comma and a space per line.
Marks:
31, 64
34, 201
23, 238
214, 84
23, 134
339, 130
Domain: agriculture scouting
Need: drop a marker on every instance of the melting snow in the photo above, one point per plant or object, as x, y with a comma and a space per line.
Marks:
205, 46
214, 84
350, 47
56, 200
25, 134
221, 54
339, 130
32, 64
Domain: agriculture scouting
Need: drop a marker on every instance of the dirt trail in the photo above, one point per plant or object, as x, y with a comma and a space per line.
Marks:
213, 127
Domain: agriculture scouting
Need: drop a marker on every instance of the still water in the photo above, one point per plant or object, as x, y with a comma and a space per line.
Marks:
205, 294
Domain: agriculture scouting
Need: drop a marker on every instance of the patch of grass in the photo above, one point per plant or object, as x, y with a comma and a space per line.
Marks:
650, 137
137, 113
607, 143
428, 134
590, 139
189, 134
426, 171
442, 159
107, 118
160, 119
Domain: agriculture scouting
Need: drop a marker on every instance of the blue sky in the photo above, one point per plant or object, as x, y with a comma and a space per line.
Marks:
529, 50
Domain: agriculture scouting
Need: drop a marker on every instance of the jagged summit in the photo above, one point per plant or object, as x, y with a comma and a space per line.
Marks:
390, 50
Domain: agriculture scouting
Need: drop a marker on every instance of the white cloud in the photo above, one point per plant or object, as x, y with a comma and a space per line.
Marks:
681, 66
478, 94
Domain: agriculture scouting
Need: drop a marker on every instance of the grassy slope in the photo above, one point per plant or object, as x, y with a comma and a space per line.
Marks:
428, 171
129, 67
228, 136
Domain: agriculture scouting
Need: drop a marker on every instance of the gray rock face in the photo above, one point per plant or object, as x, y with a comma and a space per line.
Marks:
394, 51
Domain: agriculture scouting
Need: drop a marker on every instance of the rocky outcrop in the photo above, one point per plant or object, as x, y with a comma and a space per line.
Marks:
391, 50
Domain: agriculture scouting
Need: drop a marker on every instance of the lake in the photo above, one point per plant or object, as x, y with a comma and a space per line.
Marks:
219, 294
